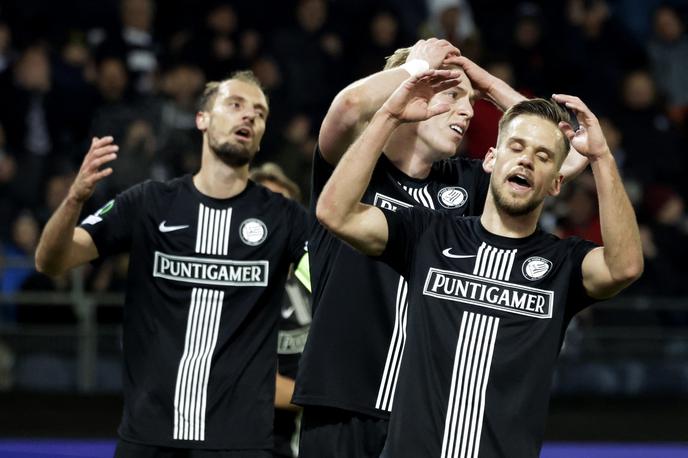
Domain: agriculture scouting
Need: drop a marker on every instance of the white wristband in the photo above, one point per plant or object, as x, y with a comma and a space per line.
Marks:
415, 66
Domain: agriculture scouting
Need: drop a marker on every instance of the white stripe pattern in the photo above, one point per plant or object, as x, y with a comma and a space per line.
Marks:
494, 263
420, 195
385, 395
191, 389
470, 374
212, 235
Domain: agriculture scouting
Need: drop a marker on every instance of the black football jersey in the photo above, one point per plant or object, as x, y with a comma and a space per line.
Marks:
205, 286
486, 321
356, 340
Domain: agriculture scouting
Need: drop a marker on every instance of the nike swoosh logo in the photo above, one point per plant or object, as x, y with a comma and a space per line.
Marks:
164, 228
457, 256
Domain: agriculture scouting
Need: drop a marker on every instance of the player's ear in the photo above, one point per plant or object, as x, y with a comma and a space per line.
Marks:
202, 120
555, 189
488, 162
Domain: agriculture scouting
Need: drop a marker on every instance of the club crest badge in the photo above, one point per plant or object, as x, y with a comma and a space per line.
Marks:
253, 232
535, 268
452, 197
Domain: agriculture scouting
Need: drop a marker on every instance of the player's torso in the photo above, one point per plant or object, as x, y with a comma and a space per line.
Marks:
360, 304
483, 310
200, 320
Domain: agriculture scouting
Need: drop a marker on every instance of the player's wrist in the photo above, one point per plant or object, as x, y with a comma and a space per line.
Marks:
415, 66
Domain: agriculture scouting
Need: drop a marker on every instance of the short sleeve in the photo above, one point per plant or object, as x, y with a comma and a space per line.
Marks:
405, 227
111, 226
322, 171
578, 297
298, 236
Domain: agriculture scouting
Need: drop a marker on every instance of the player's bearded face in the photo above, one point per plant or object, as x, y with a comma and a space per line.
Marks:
525, 167
237, 123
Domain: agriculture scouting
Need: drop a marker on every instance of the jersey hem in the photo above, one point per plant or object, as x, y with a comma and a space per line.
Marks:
315, 401
195, 446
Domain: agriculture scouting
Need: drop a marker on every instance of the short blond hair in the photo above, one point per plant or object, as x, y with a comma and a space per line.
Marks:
398, 58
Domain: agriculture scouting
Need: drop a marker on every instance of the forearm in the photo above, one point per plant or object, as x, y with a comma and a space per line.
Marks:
53, 247
342, 194
353, 108
620, 234
284, 390
503, 95
370, 93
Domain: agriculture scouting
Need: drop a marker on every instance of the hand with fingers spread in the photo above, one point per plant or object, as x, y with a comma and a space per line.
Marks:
435, 52
102, 151
411, 102
589, 139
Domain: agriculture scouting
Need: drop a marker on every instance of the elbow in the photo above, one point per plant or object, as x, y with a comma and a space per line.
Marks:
46, 268
326, 215
348, 107
631, 272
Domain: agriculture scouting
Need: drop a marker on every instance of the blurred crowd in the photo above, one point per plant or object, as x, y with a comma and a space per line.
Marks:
75, 69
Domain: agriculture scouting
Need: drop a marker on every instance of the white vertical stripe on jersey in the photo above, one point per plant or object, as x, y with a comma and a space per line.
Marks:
511, 257
485, 365
470, 374
404, 320
198, 229
478, 258
207, 357
211, 232
217, 243
203, 228
225, 237
497, 265
222, 247
194, 368
491, 262
420, 197
428, 197
395, 351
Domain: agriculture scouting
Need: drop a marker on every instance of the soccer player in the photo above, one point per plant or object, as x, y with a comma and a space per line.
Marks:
209, 256
348, 372
490, 297
293, 326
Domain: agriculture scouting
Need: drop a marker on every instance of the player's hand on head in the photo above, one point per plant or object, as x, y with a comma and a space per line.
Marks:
481, 80
411, 102
433, 51
588, 139
102, 151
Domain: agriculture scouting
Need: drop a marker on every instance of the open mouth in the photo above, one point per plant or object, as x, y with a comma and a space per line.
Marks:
457, 128
243, 133
520, 181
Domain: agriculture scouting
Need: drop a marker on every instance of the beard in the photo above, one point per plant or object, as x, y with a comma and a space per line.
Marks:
513, 208
232, 155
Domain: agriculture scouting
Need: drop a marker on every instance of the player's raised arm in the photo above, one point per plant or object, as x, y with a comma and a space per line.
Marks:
609, 269
504, 97
339, 208
63, 245
354, 106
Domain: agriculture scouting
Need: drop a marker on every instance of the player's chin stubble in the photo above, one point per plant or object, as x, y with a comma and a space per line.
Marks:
513, 208
232, 155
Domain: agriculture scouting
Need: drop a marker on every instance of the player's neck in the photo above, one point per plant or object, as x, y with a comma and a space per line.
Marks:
401, 151
503, 224
218, 180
